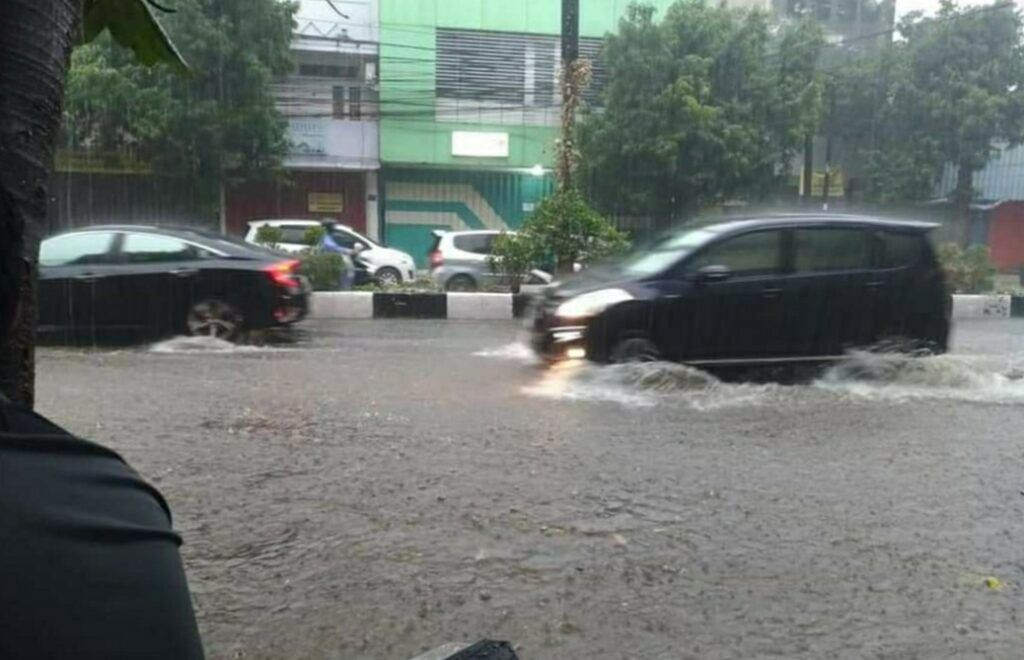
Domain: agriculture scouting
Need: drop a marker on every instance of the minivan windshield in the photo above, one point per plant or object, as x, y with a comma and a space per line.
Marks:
666, 252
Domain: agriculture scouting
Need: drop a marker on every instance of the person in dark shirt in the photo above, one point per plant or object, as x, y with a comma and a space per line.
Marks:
89, 563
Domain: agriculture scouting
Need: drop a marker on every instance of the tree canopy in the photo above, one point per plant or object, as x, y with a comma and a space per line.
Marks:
217, 122
701, 106
947, 91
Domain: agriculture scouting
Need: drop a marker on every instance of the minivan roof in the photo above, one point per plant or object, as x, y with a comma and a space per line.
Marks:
797, 219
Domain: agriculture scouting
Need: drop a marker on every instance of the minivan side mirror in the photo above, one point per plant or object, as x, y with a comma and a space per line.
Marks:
713, 273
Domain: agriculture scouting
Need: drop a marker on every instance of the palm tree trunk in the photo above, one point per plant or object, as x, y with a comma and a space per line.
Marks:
36, 37
963, 194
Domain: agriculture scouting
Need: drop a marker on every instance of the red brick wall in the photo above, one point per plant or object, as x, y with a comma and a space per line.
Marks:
263, 201
1006, 236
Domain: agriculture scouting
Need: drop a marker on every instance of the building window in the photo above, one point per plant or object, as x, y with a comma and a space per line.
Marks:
355, 102
508, 70
342, 71
338, 111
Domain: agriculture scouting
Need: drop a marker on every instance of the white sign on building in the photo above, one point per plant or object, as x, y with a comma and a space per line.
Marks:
479, 145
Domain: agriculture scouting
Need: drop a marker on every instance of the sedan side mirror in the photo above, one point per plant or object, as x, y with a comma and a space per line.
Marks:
714, 273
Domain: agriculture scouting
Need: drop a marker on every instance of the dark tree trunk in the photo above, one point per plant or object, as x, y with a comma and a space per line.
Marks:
36, 37
963, 194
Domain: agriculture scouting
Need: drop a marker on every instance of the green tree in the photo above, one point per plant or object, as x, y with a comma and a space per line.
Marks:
951, 88
214, 126
703, 106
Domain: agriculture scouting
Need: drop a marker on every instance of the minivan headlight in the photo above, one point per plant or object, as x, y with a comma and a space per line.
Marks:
591, 303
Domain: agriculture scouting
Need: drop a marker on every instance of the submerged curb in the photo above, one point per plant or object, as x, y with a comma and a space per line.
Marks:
505, 306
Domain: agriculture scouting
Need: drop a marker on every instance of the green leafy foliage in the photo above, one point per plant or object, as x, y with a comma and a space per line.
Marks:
700, 107
513, 256
564, 230
323, 269
209, 128
945, 92
269, 236
967, 271
132, 24
314, 236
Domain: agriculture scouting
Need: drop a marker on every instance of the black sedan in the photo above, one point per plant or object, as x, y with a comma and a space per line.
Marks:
156, 281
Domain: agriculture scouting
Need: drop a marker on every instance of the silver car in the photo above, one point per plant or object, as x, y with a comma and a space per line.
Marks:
460, 261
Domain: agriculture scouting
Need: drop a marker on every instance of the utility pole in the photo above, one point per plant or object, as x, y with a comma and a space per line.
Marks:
575, 77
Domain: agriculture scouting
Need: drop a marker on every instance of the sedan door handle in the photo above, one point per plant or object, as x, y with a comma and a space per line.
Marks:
770, 292
87, 277
874, 285
184, 272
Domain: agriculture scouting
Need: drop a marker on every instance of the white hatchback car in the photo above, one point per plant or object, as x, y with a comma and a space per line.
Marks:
386, 265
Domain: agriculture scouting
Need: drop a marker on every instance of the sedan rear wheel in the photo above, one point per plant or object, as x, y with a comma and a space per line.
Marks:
214, 318
635, 349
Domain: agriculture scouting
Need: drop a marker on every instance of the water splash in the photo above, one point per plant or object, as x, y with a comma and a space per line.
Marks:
645, 385
893, 376
516, 351
202, 344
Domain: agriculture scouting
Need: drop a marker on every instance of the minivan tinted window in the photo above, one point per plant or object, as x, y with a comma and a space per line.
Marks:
748, 254
901, 249
828, 249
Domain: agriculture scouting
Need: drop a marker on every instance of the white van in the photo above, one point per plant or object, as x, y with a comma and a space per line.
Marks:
386, 265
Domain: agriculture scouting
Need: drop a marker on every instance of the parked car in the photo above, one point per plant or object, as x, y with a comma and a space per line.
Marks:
385, 265
756, 291
460, 261
156, 281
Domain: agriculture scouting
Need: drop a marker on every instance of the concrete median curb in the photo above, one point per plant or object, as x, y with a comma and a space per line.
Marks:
454, 306
505, 306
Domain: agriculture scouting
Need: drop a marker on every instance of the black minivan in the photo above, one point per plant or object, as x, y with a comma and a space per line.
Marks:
773, 289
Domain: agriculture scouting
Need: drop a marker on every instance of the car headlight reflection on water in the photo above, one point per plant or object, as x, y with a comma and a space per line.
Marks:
592, 303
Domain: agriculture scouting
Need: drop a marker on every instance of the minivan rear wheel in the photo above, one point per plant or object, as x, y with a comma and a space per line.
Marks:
635, 349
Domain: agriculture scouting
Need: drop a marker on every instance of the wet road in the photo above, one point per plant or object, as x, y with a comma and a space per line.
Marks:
380, 488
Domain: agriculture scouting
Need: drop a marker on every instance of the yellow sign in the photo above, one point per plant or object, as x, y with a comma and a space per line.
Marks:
836, 186
326, 202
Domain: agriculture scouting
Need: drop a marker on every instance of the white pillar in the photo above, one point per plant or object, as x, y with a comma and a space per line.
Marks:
372, 206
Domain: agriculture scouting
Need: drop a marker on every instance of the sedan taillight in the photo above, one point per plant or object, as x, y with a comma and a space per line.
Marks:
283, 272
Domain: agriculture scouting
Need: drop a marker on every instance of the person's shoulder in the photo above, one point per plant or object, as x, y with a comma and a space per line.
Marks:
20, 426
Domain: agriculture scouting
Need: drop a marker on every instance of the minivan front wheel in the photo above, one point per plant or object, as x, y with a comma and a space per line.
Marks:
214, 318
635, 349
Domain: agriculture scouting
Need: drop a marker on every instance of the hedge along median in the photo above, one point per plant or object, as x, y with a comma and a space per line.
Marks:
505, 306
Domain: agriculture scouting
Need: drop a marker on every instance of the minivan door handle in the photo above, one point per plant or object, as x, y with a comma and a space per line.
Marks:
770, 292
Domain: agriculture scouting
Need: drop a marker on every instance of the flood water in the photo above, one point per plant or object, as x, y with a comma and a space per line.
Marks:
379, 488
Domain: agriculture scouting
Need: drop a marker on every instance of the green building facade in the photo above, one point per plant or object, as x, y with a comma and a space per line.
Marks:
469, 110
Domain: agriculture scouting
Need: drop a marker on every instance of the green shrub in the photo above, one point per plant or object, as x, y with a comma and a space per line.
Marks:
324, 270
562, 232
269, 236
513, 257
967, 271
314, 236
